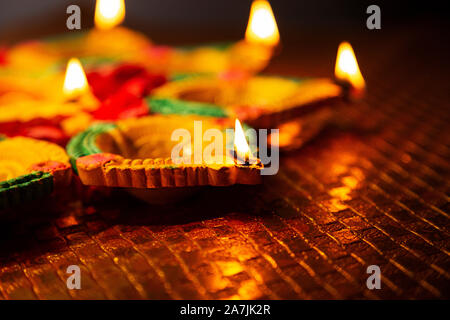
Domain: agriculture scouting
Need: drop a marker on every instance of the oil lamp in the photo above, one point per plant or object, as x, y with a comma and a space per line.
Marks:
111, 40
137, 154
242, 58
48, 117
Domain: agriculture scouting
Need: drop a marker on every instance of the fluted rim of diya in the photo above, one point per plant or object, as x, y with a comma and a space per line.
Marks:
30, 169
102, 157
263, 101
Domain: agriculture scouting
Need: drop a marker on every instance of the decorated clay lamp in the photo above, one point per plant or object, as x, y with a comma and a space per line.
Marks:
108, 93
32, 70
300, 108
31, 66
42, 112
48, 119
31, 169
136, 154
110, 40
107, 42
247, 56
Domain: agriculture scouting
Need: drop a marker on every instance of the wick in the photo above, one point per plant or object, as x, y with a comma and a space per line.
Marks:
237, 158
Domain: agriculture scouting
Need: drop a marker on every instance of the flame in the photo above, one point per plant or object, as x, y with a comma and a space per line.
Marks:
109, 13
262, 27
347, 68
240, 143
75, 82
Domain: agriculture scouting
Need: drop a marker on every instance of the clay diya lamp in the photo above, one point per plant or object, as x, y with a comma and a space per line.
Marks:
22, 114
31, 169
107, 42
261, 101
299, 107
137, 154
113, 92
250, 55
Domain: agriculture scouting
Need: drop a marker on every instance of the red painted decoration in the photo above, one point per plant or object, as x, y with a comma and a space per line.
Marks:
121, 91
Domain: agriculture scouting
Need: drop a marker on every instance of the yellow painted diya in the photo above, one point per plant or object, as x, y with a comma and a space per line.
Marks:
137, 154
300, 108
260, 100
30, 169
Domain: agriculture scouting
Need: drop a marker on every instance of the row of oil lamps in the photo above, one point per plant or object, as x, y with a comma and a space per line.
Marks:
262, 33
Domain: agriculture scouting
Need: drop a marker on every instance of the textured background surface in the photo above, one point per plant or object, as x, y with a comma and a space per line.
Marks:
375, 192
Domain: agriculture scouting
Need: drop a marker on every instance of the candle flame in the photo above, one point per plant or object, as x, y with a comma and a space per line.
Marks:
75, 82
262, 27
240, 143
109, 13
347, 68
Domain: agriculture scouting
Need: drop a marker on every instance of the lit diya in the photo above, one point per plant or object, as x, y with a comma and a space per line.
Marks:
250, 55
44, 118
298, 107
112, 92
33, 68
31, 169
107, 42
138, 154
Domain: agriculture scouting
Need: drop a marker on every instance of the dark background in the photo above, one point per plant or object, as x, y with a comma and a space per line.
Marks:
175, 21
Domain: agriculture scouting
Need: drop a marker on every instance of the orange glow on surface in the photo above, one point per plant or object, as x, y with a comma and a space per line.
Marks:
240, 143
230, 268
347, 68
262, 26
75, 82
341, 193
109, 13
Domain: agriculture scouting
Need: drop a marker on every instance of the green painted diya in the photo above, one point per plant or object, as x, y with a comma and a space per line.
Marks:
30, 169
137, 154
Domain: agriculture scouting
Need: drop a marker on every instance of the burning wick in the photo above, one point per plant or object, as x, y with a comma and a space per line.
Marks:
262, 27
109, 13
241, 148
75, 82
347, 71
